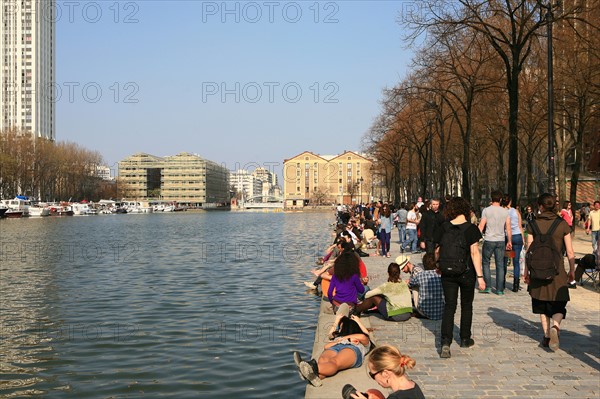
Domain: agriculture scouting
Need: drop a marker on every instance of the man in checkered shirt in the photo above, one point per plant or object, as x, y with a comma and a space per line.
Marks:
430, 303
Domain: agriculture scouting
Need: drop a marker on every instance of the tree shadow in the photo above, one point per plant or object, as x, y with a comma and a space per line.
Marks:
585, 348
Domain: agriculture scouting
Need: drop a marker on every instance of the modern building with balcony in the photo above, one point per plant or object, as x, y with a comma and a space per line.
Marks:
28, 67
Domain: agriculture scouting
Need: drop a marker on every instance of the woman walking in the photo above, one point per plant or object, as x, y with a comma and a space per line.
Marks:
549, 297
458, 211
517, 242
386, 226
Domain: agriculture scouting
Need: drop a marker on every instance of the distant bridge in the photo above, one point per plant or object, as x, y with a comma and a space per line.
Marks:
260, 202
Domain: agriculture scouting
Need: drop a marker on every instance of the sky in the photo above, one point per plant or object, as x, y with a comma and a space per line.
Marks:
243, 84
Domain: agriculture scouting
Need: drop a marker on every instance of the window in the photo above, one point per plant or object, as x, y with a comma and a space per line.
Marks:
349, 166
298, 189
340, 181
307, 166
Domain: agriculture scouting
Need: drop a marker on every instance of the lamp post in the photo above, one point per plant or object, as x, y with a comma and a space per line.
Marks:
359, 183
551, 173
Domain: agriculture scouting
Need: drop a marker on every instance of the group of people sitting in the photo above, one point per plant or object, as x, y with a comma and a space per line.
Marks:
396, 300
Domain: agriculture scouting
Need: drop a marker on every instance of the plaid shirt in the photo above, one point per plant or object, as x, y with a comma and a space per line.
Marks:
431, 294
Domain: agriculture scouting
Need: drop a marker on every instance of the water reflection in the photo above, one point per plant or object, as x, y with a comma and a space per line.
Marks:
177, 305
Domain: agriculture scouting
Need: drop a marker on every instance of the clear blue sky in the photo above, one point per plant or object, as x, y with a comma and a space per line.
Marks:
162, 67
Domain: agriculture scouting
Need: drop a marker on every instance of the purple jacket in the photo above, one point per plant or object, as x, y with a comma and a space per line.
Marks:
346, 291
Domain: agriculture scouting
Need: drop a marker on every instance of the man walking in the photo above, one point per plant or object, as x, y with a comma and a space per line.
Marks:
431, 220
401, 213
495, 220
593, 226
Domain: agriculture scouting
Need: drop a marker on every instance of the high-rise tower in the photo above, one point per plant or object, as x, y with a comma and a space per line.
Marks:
27, 73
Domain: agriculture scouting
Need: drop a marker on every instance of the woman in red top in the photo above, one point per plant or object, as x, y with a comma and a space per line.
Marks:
567, 214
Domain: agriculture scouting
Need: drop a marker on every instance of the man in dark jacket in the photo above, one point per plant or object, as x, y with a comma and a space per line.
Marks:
430, 221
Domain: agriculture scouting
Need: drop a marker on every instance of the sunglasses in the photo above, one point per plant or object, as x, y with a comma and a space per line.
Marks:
372, 375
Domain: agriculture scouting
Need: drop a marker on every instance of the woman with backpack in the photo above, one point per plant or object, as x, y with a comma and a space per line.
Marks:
460, 265
549, 290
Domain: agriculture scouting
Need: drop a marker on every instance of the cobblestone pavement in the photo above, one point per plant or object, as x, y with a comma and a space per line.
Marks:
507, 360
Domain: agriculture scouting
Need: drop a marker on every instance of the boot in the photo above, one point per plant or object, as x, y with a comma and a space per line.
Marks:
516, 285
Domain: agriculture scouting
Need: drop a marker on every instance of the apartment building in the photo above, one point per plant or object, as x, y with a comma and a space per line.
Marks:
183, 178
28, 69
310, 178
246, 184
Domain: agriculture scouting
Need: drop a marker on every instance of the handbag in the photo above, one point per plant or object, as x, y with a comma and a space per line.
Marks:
509, 254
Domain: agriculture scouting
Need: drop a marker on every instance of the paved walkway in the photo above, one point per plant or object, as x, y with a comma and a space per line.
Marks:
506, 361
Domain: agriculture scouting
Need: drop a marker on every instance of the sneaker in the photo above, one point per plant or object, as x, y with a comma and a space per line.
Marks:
297, 361
554, 335
445, 353
310, 285
308, 373
572, 285
467, 342
486, 291
499, 292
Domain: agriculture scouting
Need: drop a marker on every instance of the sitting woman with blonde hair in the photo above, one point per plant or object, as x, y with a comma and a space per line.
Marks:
387, 366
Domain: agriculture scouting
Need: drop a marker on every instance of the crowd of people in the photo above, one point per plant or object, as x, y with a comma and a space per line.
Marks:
447, 234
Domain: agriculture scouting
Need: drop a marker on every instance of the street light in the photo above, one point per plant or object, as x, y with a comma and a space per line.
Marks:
359, 182
551, 174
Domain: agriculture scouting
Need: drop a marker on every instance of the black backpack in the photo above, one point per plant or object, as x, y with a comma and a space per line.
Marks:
454, 250
543, 259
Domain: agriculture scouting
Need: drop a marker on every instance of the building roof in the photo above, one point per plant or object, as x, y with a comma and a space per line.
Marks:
328, 157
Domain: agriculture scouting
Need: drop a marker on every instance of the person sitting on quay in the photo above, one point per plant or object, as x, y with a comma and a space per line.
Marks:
325, 272
388, 366
346, 283
351, 342
391, 298
428, 294
412, 270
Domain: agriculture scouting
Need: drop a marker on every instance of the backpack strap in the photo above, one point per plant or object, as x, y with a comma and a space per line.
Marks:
534, 228
553, 226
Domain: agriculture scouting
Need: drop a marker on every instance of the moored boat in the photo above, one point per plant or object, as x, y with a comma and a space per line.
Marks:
17, 207
39, 210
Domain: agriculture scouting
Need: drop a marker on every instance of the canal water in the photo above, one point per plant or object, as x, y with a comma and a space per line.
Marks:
181, 305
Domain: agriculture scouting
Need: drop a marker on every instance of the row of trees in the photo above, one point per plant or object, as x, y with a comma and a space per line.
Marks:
47, 170
472, 113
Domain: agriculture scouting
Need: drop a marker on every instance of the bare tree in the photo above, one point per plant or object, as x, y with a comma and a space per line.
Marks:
509, 26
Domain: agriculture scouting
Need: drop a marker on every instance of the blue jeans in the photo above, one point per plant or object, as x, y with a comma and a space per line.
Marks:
496, 248
517, 246
402, 233
595, 236
411, 240
385, 242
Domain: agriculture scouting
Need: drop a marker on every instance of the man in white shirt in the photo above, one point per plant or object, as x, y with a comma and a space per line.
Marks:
412, 220
593, 226
495, 221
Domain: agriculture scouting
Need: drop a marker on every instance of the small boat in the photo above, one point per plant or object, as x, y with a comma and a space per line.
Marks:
61, 210
17, 207
13, 214
2, 211
39, 210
